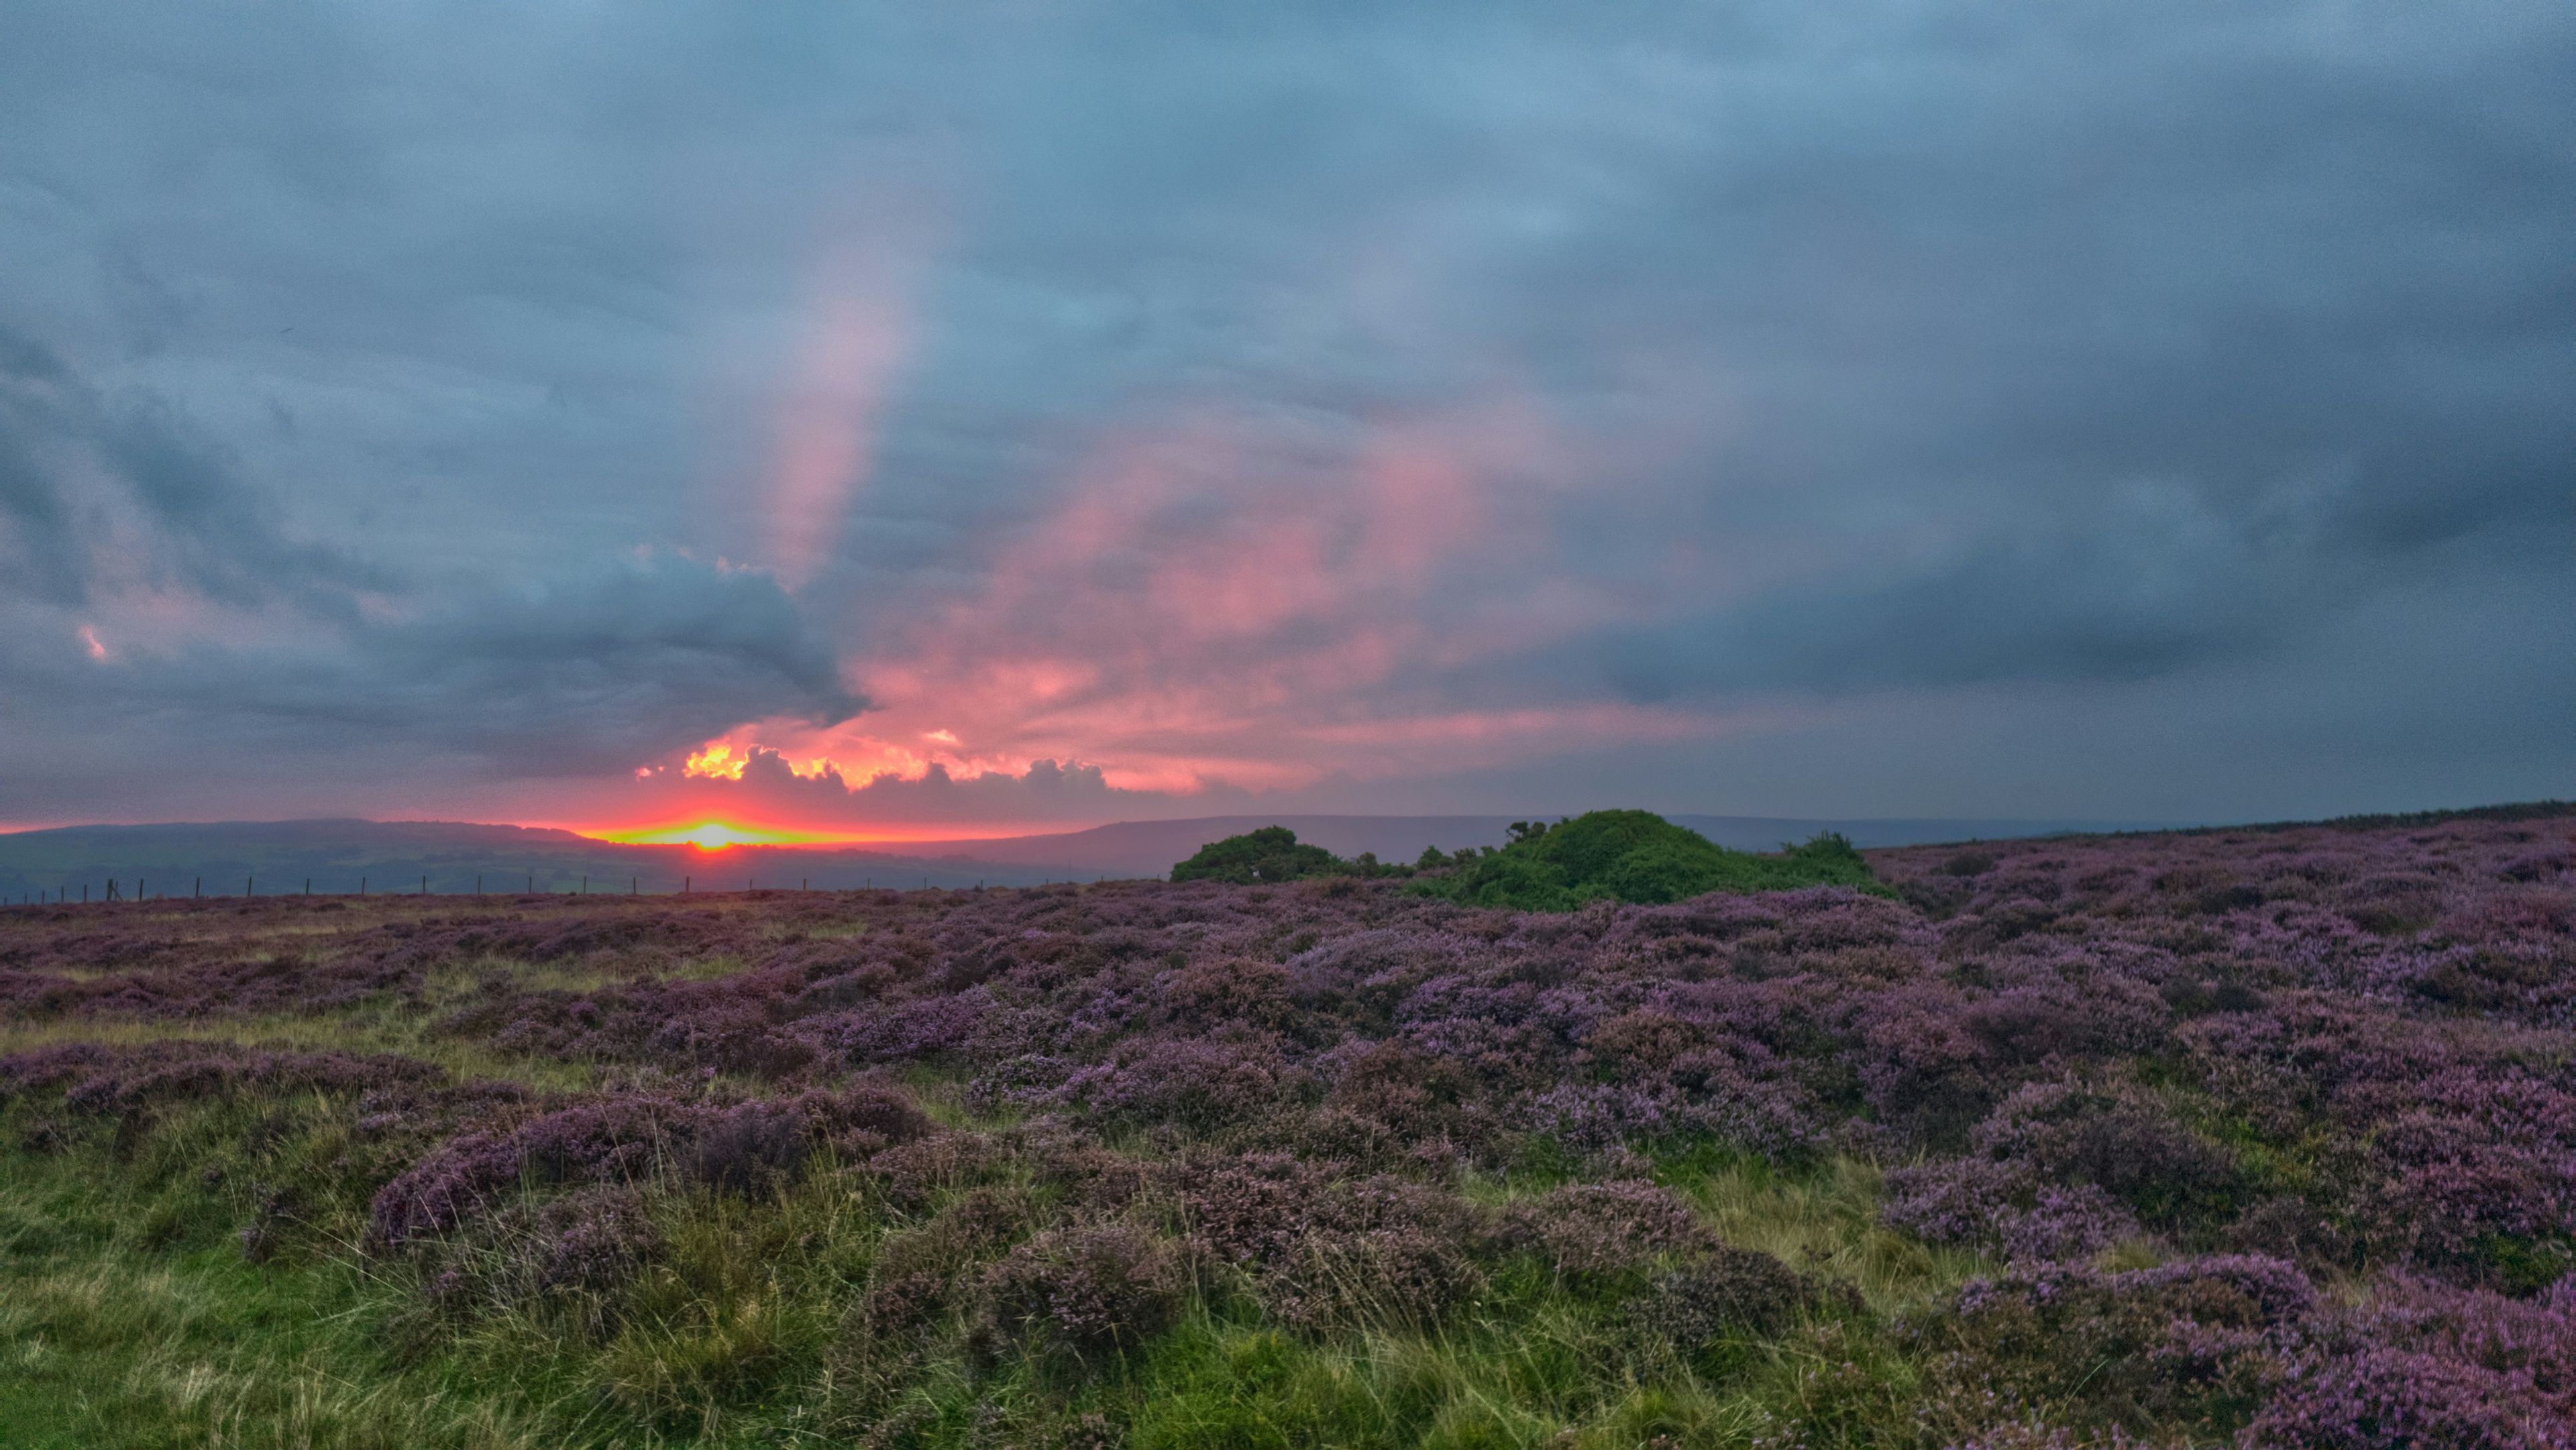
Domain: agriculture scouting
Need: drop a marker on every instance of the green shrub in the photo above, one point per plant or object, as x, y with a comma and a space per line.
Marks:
1637, 856
1266, 855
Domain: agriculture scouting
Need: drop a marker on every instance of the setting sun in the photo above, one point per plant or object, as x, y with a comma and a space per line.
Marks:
713, 836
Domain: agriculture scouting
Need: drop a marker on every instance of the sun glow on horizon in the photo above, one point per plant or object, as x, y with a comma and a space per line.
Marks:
715, 836
710, 833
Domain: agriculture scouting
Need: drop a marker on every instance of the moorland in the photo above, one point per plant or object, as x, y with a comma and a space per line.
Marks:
2261, 1137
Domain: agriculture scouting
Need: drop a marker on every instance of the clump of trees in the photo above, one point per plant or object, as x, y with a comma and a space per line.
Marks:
1270, 854
1635, 856
1632, 856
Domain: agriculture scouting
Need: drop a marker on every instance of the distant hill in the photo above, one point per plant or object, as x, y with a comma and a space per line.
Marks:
226, 857
341, 855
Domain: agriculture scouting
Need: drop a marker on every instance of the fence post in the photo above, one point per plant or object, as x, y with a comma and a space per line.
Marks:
424, 886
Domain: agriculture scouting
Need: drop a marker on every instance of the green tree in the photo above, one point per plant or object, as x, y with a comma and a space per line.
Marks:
1636, 856
1271, 853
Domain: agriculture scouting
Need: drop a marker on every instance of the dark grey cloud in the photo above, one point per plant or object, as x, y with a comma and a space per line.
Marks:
598, 671
70, 457
1882, 362
333, 654
583, 674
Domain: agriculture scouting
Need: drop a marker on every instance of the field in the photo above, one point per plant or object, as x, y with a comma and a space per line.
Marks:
2262, 1137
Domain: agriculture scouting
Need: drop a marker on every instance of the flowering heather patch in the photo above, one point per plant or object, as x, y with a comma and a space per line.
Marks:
627, 1139
1095, 1291
2144, 1094
2424, 1365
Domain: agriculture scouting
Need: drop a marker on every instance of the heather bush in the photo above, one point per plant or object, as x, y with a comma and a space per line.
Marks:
615, 1142
571, 1259
2003, 1208
913, 1175
1721, 1294
2197, 1344
1597, 1231
2382, 1399
1094, 1291
920, 1273
2423, 1364
1199, 1085
2119, 1140
1320, 1249
747, 1147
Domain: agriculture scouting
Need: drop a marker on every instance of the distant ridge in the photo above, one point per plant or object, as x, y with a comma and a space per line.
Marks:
2518, 811
338, 856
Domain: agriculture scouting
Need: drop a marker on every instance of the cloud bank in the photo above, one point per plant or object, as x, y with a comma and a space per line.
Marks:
1012, 415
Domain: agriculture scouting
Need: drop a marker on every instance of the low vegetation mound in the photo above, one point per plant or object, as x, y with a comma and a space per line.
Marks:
1637, 857
1269, 854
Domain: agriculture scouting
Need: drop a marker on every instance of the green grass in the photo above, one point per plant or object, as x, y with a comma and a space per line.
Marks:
129, 1315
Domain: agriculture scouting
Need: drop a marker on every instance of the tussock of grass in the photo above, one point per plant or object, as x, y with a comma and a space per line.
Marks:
101, 1345
1825, 1221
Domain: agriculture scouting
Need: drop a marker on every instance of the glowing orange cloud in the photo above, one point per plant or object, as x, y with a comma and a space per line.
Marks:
716, 760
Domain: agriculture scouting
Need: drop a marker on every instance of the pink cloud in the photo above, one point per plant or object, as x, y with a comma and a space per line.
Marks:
1206, 612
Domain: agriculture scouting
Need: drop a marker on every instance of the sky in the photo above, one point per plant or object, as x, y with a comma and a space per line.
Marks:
887, 420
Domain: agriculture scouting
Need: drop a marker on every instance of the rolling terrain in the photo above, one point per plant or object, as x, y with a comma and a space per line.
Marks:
2233, 1137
